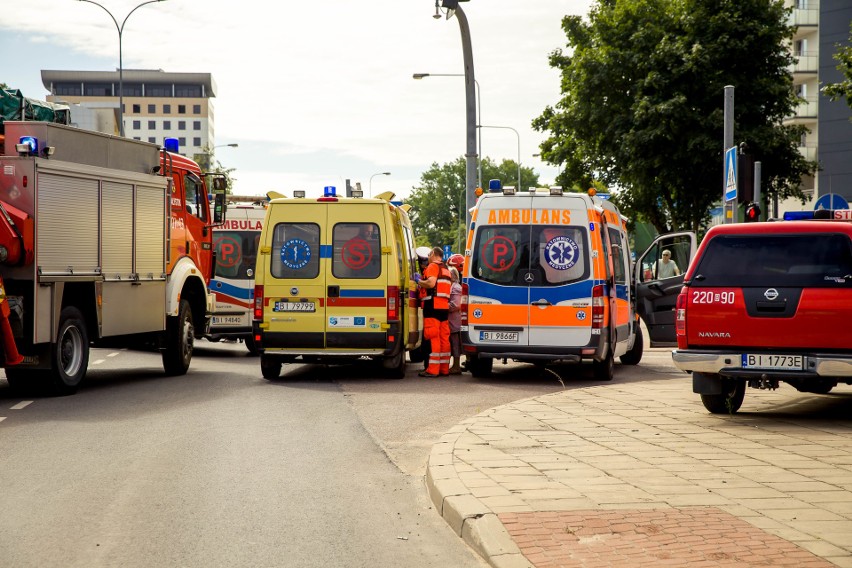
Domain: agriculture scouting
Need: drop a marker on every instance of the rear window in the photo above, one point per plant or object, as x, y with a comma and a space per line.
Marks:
525, 255
295, 250
236, 253
357, 251
801, 260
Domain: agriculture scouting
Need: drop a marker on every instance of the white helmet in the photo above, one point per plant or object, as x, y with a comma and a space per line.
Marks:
422, 252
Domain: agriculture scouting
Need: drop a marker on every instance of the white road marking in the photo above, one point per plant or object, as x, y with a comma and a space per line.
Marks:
21, 405
98, 362
113, 354
2, 418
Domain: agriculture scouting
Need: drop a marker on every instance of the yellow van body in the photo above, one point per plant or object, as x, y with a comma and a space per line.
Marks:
547, 279
326, 291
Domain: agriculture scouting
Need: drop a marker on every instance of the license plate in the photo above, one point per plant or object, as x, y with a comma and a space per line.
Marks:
774, 362
228, 320
294, 307
507, 336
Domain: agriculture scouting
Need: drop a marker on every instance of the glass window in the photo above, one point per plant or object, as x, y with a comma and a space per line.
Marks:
181, 109
137, 124
152, 140
500, 253
152, 109
137, 109
187, 90
196, 141
158, 90
181, 125
196, 125
167, 124
167, 109
69, 89
678, 248
295, 250
182, 141
619, 256
131, 89
357, 250
236, 253
196, 109
98, 89
561, 255
195, 196
152, 124
821, 260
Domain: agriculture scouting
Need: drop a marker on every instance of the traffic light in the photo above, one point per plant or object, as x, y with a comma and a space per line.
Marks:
752, 213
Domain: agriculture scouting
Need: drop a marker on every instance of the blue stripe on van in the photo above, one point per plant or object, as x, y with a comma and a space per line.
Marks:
241, 293
326, 251
521, 294
362, 293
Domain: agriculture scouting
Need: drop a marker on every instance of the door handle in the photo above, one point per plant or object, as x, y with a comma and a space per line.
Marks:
541, 303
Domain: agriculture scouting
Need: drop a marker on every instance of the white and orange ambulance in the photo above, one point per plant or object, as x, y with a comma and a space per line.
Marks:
547, 279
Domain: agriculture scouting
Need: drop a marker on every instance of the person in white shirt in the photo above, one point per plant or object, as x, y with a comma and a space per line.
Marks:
666, 267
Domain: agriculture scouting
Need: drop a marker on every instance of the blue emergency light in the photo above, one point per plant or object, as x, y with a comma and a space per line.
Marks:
27, 144
798, 215
495, 186
171, 145
329, 191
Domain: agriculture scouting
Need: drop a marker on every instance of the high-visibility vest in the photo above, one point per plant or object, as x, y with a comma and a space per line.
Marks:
443, 285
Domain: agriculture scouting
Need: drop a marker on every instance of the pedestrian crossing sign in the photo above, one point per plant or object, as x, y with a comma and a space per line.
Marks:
731, 174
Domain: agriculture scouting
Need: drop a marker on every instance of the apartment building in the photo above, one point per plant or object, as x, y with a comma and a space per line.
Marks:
821, 26
157, 104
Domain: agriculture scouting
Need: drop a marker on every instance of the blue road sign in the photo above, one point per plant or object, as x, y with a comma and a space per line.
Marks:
831, 201
731, 174
447, 251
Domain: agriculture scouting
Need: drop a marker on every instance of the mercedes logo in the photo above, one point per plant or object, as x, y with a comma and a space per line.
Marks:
770, 294
529, 277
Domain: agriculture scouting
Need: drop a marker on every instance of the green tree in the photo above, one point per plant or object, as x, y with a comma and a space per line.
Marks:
437, 204
843, 55
209, 164
643, 106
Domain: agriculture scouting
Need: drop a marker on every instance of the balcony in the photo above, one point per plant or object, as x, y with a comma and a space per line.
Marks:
805, 16
806, 62
809, 152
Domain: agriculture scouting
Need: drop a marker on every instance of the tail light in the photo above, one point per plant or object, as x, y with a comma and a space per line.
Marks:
258, 302
680, 319
463, 304
393, 303
598, 306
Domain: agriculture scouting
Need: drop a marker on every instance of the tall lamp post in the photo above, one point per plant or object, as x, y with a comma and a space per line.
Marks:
120, 30
470, 105
519, 149
419, 76
371, 181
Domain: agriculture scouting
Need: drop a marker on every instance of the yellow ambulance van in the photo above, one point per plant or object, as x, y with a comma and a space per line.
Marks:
334, 282
547, 279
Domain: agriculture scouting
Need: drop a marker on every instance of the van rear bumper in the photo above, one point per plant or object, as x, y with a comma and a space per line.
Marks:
729, 363
596, 350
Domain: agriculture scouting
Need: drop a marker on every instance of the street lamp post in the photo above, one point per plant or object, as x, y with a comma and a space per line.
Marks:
120, 30
519, 149
371, 181
470, 106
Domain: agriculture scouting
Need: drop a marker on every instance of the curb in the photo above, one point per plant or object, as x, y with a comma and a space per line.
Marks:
472, 520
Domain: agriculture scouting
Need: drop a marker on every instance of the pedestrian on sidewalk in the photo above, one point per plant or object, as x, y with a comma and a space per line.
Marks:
455, 321
437, 282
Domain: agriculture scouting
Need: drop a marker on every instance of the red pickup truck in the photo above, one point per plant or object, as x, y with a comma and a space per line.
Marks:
764, 303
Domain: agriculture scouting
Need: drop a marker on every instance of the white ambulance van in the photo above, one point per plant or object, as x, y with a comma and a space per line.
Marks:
335, 283
235, 244
547, 279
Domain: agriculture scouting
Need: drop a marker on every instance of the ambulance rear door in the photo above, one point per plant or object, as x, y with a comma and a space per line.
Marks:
559, 273
295, 289
357, 281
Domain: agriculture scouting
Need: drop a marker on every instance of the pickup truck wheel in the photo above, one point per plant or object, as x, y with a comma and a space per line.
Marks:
180, 338
633, 356
604, 370
731, 399
394, 366
480, 367
69, 356
269, 368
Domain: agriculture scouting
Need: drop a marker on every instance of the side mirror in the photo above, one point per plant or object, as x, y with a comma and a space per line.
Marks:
219, 184
219, 208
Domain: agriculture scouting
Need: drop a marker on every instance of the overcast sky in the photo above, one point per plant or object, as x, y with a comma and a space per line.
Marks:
320, 91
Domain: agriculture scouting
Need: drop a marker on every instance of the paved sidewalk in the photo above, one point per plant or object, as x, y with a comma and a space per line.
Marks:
640, 474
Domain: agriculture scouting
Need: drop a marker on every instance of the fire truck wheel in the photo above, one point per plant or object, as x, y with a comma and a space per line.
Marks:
395, 366
603, 370
180, 337
633, 356
251, 345
269, 368
69, 356
733, 393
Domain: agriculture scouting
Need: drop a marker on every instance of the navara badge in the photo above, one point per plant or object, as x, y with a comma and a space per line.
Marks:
770, 294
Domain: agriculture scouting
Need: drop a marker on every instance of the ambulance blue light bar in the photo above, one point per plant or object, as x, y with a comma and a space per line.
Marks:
798, 215
27, 145
172, 145
329, 193
495, 186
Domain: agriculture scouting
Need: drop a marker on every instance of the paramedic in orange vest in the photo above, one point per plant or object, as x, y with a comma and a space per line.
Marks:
436, 306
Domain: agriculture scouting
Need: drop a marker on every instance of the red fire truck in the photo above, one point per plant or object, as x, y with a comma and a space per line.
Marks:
103, 241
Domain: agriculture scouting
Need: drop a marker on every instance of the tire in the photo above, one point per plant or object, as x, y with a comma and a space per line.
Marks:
180, 339
604, 370
394, 366
270, 368
480, 367
251, 345
69, 356
633, 356
731, 399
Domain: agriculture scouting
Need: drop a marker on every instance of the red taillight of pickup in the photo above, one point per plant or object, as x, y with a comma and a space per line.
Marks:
258, 303
680, 319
